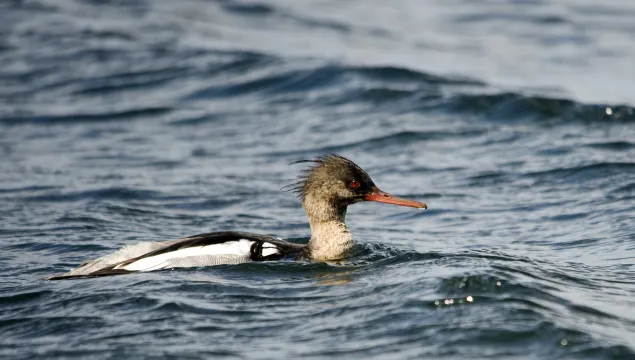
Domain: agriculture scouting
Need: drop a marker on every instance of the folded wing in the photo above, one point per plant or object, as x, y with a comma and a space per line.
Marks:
218, 248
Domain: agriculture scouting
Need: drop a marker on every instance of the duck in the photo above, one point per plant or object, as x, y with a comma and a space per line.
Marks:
325, 189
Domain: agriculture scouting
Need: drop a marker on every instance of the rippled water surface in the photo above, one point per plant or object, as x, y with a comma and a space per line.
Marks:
151, 120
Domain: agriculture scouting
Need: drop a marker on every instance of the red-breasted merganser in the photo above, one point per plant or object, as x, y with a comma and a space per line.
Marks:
326, 189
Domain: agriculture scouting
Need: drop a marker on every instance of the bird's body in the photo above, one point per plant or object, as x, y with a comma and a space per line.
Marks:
325, 190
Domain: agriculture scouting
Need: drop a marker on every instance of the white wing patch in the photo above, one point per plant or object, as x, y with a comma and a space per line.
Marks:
234, 249
269, 249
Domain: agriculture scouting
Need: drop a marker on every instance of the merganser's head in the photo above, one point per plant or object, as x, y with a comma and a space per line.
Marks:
339, 181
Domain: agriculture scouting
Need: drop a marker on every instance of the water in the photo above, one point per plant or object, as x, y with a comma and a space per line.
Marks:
134, 120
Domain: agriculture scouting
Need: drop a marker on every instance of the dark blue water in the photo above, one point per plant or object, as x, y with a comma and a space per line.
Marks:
123, 121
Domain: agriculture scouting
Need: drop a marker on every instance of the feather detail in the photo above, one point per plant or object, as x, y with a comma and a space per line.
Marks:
240, 249
225, 247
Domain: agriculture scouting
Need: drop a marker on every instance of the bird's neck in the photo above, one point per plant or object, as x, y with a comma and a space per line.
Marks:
330, 238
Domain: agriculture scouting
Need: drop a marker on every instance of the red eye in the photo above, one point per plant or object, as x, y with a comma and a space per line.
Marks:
355, 184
